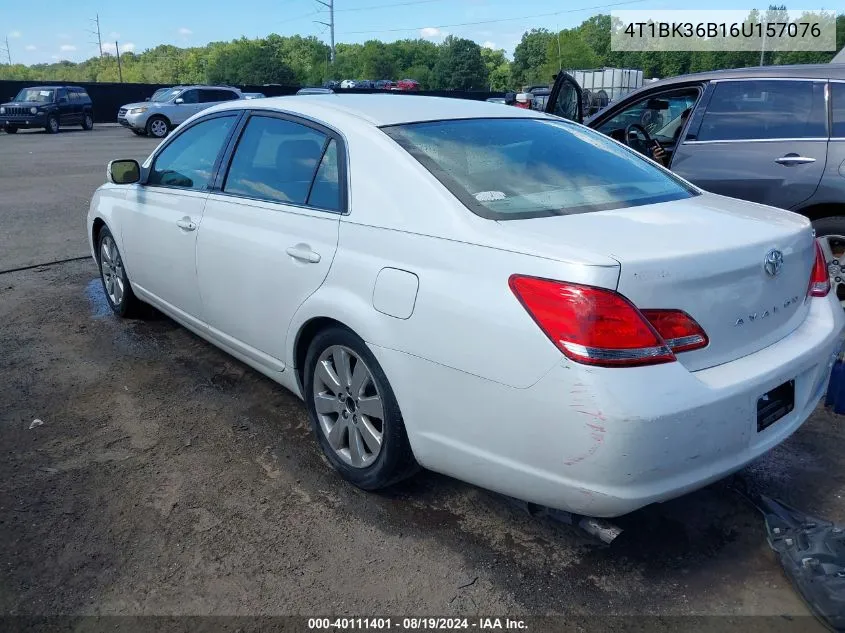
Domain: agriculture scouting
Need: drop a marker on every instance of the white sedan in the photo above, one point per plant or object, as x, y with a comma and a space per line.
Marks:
491, 293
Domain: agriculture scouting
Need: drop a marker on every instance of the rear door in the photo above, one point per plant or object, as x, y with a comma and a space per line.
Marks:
269, 232
763, 140
66, 113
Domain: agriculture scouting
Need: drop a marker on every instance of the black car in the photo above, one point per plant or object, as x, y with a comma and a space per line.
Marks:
48, 107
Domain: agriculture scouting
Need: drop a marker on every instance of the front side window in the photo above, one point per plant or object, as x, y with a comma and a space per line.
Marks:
764, 109
190, 96
837, 96
188, 160
35, 95
661, 115
525, 168
275, 160
61, 94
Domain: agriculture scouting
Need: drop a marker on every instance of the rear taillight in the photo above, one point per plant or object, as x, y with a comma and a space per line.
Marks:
819, 280
591, 325
678, 329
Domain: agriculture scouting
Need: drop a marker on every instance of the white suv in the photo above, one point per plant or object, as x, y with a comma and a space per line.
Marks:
157, 117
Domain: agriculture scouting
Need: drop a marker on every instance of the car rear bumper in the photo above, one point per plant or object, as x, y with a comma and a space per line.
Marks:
604, 442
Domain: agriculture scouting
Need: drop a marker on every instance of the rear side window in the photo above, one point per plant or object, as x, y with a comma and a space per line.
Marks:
837, 95
514, 168
188, 160
765, 109
214, 95
275, 160
72, 95
325, 192
83, 95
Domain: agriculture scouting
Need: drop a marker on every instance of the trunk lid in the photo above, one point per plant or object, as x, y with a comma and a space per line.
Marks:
704, 255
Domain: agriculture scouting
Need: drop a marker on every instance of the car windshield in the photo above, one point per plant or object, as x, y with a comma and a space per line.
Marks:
159, 94
36, 95
168, 95
514, 168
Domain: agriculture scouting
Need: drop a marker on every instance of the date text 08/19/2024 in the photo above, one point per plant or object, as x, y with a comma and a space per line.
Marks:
415, 624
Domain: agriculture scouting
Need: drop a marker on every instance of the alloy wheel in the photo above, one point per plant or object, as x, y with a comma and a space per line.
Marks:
54, 124
833, 247
349, 406
112, 270
158, 128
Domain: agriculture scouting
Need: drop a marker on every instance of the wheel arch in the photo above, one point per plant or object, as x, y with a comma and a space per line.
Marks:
158, 115
823, 210
96, 227
302, 341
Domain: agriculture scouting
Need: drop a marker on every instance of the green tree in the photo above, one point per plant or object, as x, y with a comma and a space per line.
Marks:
530, 57
460, 65
498, 69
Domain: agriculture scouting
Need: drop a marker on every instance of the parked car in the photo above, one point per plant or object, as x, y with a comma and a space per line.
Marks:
49, 107
254, 95
178, 104
773, 135
385, 84
613, 337
496, 100
314, 91
406, 85
331, 84
348, 83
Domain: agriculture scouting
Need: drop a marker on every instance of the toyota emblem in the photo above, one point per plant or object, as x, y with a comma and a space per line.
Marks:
773, 262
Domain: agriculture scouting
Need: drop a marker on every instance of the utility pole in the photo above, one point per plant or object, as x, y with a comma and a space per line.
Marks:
8, 52
117, 52
96, 21
330, 6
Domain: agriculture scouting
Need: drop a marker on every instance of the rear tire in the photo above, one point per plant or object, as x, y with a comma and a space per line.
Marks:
11, 129
349, 413
122, 300
88, 121
158, 127
53, 124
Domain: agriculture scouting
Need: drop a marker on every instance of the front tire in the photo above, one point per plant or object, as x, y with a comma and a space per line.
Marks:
52, 126
88, 121
11, 129
354, 412
122, 300
158, 127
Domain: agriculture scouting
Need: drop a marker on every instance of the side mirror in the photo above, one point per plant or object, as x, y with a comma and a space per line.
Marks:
179, 101
124, 172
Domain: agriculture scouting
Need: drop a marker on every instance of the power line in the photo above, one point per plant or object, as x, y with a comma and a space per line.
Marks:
387, 6
523, 17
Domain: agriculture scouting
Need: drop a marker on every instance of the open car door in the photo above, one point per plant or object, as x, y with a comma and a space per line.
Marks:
565, 99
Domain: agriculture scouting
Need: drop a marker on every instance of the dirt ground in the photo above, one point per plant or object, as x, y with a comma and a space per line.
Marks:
168, 478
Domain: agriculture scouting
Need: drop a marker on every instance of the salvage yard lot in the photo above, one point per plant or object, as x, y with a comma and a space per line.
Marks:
168, 478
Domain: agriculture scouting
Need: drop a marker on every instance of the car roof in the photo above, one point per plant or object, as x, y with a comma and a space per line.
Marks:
383, 109
795, 71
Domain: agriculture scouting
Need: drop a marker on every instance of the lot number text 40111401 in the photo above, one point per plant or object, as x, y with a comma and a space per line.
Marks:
416, 624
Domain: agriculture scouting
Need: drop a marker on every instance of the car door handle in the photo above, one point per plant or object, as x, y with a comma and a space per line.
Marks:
303, 253
186, 224
794, 159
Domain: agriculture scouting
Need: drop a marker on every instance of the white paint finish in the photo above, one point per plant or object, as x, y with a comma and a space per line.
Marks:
250, 285
485, 396
160, 254
395, 292
585, 440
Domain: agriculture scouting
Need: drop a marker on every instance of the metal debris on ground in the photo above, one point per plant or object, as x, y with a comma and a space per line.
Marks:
34, 423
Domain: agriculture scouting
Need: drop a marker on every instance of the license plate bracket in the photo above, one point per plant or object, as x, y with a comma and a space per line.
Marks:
775, 404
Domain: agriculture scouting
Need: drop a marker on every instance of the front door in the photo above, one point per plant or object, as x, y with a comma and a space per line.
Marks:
565, 99
187, 108
164, 213
269, 235
761, 140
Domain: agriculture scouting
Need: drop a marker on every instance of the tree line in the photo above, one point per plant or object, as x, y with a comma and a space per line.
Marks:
455, 63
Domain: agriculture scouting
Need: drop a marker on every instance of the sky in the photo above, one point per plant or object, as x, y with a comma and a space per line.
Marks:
58, 30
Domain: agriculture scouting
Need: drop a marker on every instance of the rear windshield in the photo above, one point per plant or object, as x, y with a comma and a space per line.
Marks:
517, 168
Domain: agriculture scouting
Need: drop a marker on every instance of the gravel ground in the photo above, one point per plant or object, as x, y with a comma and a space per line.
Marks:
169, 479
